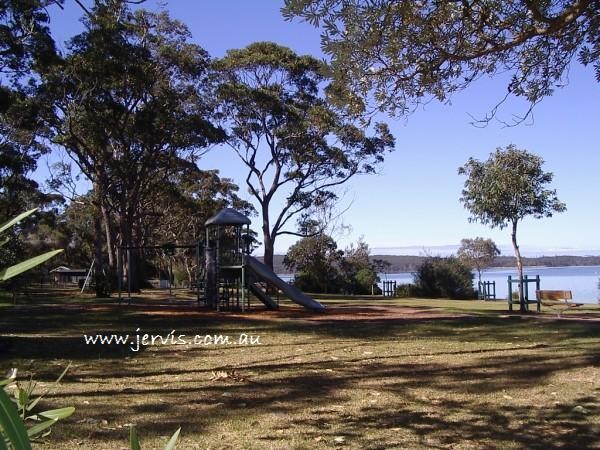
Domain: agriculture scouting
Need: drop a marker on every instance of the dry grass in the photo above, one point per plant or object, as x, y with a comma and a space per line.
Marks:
483, 379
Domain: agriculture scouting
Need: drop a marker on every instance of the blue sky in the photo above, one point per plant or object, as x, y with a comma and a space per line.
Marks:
412, 205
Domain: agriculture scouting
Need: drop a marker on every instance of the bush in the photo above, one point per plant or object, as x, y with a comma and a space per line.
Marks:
365, 282
406, 290
439, 277
329, 283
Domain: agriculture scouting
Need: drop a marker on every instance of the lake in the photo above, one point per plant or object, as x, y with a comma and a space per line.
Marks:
582, 281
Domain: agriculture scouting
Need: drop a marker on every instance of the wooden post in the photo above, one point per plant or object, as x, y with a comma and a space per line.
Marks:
537, 288
510, 293
197, 271
119, 271
129, 275
526, 292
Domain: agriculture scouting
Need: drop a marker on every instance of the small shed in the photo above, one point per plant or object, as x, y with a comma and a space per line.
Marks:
65, 275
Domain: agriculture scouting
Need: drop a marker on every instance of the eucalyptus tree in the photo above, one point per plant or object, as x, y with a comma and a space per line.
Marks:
316, 262
293, 143
478, 253
26, 44
26, 50
129, 101
403, 53
508, 187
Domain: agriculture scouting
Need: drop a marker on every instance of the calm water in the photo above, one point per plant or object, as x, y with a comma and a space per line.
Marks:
582, 281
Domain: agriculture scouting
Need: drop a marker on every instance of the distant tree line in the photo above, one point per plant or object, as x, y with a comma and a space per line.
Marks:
410, 263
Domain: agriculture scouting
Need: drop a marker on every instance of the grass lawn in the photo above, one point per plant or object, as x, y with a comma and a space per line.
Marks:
436, 374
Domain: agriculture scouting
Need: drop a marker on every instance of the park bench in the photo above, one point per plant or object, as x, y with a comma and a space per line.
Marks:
559, 300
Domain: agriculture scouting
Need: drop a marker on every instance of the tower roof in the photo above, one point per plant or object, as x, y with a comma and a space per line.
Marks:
228, 216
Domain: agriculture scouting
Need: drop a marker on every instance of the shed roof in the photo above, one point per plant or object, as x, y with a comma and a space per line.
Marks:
64, 269
228, 216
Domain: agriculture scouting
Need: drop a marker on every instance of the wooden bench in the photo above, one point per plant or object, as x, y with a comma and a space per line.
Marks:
559, 300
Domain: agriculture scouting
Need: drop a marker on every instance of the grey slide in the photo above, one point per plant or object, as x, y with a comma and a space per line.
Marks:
262, 296
262, 272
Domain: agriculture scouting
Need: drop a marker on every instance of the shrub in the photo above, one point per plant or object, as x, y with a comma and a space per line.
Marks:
439, 277
406, 290
365, 281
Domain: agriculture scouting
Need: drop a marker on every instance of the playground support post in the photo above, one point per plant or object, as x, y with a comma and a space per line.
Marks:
119, 272
526, 281
129, 280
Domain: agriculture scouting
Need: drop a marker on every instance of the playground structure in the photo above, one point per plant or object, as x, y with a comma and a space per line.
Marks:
526, 281
231, 272
228, 273
388, 288
486, 290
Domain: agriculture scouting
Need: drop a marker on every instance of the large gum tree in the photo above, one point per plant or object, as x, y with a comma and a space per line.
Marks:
508, 187
294, 144
129, 105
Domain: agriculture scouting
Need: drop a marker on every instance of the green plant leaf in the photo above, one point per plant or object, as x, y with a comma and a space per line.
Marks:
20, 217
54, 414
12, 424
26, 265
171, 444
38, 428
35, 402
22, 398
134, 444
10, 378
3, 444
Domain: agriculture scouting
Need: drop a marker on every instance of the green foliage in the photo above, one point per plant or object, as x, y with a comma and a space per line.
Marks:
316, 261
478, 253
16, 414
358, 273
294, 144
439, 277
321, 268
402, 54
366, 280
134, 443
506, 188
25, 45
406, 290
130, 104
14, 270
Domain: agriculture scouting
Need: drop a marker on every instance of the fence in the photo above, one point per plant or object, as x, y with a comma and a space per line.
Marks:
487, 290
389, 288
526, 282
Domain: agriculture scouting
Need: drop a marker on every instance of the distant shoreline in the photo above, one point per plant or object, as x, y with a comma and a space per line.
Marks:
409, 263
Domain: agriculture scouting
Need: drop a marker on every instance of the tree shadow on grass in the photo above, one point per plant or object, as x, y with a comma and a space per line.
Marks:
52, 347
310, 389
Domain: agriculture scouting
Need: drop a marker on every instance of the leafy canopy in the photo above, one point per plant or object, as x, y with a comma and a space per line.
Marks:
507, 187
130, 104
404, 53
478, 253
293, 142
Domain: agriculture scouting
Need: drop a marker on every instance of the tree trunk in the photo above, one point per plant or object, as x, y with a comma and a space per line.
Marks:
110, 246
99, 278
130, 256
269, 251
513, 236
268, 238
99, 266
